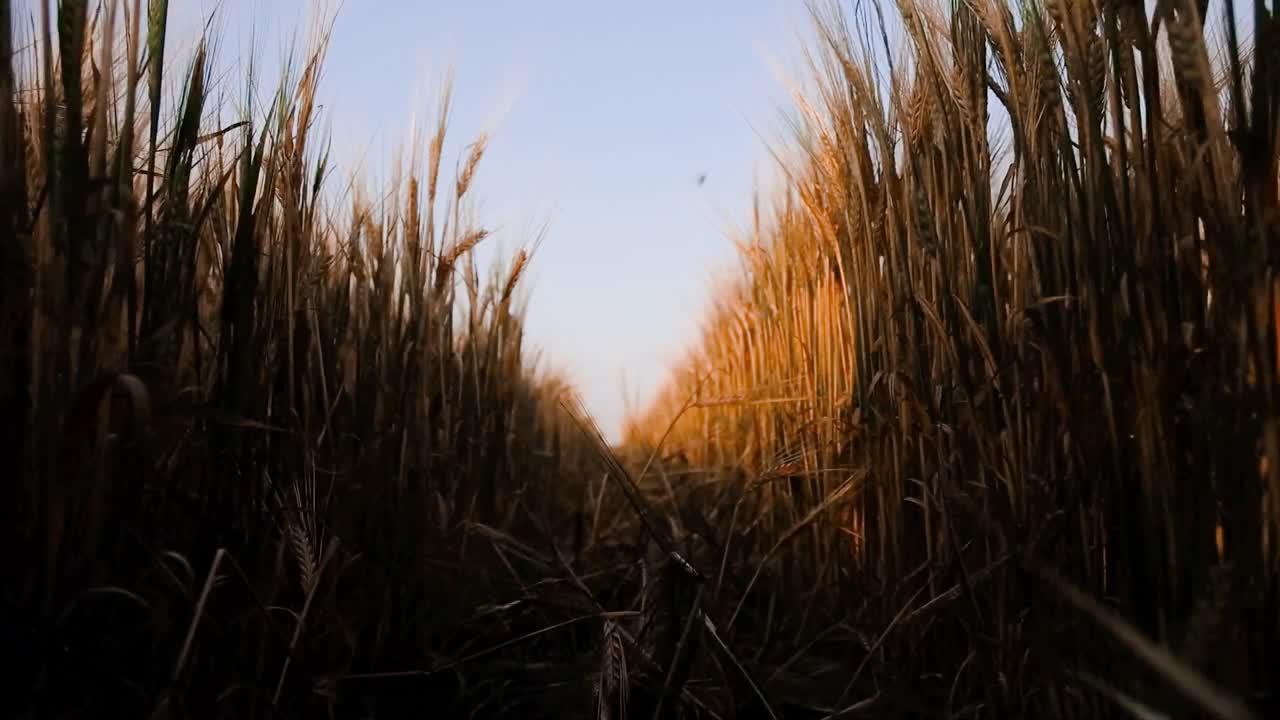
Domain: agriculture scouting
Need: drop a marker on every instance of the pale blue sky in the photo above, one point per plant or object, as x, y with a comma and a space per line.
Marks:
603, 116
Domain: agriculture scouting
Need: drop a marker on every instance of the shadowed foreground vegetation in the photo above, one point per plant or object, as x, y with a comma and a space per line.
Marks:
987, 428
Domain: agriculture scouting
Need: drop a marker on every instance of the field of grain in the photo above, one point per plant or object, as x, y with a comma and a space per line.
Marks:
988, 425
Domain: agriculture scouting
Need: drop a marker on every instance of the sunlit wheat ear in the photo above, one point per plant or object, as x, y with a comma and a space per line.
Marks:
517, 269
473, 161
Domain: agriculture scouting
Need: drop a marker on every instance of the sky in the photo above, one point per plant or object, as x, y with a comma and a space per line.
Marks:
603, 116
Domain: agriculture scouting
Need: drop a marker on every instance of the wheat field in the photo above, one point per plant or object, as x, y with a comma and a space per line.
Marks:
987, 424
